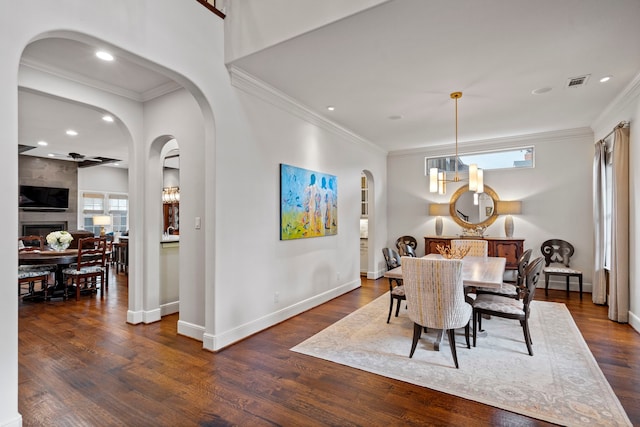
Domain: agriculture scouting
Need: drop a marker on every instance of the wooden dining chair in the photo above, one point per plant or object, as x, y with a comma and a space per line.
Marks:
408, 241
396, 288
476, 247
89, 271
508, 289
406, 249
29, 275
557, 257
510, 308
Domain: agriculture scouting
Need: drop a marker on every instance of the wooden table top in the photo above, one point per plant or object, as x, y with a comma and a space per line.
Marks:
67, 256
487, 272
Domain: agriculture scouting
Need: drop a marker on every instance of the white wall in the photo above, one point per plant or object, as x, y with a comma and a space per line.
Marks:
236, 261
251, 260
103, 179
178, 116
252, 25
556, 194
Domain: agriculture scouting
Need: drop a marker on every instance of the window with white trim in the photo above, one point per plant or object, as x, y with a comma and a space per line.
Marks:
114, 205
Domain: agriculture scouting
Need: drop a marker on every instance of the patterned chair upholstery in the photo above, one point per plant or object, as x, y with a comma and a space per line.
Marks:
30, 274
511, 290
557, 255
29, 277
396, 288
477, 247
510, 308
435, 298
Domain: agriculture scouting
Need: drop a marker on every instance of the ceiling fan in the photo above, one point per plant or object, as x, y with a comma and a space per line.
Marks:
85, 161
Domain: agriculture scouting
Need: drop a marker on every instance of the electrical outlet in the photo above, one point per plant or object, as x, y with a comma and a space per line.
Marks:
276, 297
338, 274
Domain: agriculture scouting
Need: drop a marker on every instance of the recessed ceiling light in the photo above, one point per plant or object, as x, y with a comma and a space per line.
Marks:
116, 164
541, 90
396, 117
51, 155
107, 118
43, 143
104, 55
331, 108
605, 79
72, 132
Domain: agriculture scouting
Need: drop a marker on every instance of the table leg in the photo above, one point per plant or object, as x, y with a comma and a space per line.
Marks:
438, 341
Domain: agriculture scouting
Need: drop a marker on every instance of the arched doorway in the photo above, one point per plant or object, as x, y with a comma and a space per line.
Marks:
367, 224
137, 118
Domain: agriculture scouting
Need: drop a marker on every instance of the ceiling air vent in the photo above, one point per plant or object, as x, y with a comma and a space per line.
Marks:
578, 81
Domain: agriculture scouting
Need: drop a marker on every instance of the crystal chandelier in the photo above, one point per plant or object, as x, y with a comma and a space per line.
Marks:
438, 179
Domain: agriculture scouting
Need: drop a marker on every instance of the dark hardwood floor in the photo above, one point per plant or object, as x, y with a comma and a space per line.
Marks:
81, 364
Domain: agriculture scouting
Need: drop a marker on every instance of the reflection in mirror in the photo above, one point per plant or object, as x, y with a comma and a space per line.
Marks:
474, 208
469, 209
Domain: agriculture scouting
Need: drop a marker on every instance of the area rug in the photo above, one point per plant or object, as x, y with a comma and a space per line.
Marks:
561, 383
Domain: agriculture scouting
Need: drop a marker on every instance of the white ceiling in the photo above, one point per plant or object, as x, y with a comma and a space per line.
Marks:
43, 117
400, 59
405, 57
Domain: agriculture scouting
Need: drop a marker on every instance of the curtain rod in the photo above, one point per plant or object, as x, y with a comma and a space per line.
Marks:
618, 126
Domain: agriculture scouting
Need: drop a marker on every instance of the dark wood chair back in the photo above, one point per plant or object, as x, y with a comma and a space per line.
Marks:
77, 235
32, 242
92, 252
391, 257
523, 262
406, 250
531, 277
407, 240
557, 251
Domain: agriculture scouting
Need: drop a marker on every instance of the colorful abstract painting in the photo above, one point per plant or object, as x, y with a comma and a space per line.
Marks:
308, 203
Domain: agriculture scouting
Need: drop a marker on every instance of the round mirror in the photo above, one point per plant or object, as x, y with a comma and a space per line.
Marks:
469, 209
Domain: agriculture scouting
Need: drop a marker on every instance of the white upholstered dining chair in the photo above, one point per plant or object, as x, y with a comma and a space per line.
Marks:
435, 298
476, 247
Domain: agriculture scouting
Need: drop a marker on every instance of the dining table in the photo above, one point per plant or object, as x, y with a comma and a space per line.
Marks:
61, 259
486, 272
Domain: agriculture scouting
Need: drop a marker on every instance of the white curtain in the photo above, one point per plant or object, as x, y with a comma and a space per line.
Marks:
619, 271
616, 193
599, 291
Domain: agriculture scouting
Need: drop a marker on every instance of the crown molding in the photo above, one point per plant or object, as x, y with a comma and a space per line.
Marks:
157, 91
96, 84
250, 84
621, 108
493, 144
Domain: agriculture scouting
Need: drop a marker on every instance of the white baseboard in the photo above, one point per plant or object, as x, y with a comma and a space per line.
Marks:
14, 422
170, 308
634, 321
191, 330
375, 274
134, 317
220, 341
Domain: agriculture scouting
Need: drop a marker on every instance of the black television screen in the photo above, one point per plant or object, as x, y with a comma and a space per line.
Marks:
36, 197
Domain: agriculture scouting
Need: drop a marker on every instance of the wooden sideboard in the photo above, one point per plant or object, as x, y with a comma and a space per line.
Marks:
509, 248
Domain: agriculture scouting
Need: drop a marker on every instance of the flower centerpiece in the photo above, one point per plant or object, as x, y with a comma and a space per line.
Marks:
59, 240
